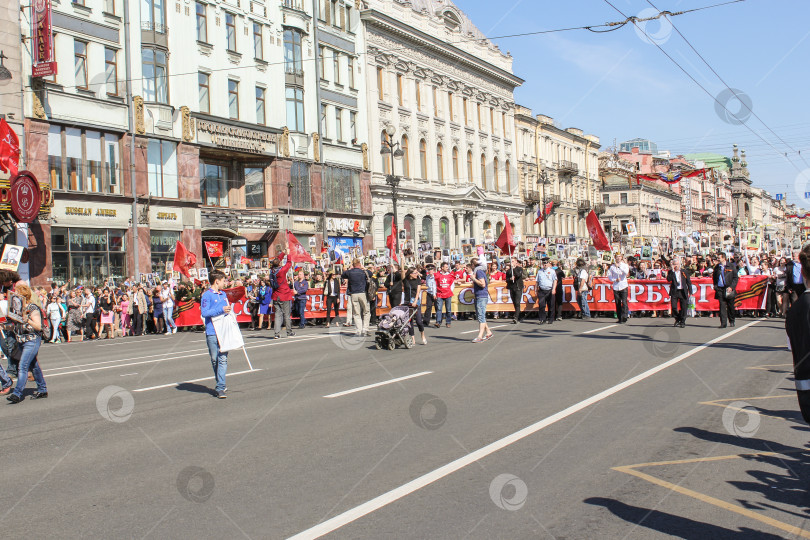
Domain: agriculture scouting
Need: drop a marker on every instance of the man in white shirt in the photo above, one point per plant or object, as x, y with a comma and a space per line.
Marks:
546, 283
617, 274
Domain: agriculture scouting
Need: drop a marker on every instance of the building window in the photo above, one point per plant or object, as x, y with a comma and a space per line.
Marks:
230, 31
111, 71
409, 226
261, 118
88, 256
385, 141
301, 191
606, 199
508, 184
321, 61
202, 23
336, 66
483, 172
83, 160
455, 164
214, 183
353, 126
466, 120
623, 198
406, 157
258, 43
153, 15
293, 62
503, 121
163, 244
80, 63
343, 189
380, 94
161, 168
399, 89
155, 81
469, 167
233, 99
496, 175
109, 7
324, 130
423, 159
480, 118
387, 220
435, 103
427, 230
254, 187
205, 95
418, 87
444, 233
440, 162
492, 119
295, 108
450, 112
339, 124
350, 70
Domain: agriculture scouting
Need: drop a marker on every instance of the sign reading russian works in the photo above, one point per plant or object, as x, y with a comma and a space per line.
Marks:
236, 138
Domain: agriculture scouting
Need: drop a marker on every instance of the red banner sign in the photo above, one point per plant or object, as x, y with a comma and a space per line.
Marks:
214, 249
43, 39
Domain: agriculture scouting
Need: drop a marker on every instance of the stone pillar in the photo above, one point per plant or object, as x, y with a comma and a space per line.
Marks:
40, 263
39, 237
188, 172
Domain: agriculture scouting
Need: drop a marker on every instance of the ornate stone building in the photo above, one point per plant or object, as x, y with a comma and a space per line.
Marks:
447, 92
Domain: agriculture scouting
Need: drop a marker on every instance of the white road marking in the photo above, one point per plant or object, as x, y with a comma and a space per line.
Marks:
129, 339
600, 329
491, 328
387, 498
192, 381
128, 374
375, 385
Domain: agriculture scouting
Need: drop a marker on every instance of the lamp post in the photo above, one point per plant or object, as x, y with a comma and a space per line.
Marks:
388, 147
542, 178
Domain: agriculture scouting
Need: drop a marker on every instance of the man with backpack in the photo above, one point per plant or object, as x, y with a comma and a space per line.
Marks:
282, 295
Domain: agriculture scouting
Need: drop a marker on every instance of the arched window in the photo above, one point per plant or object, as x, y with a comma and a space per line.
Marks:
469, 167
408, 225
455, 164
483, 172
444, 233
487, 227
496, 175
427, 230
498, 229
423, 159
508, 177
440, 162
386, 157
406, 158
387, 220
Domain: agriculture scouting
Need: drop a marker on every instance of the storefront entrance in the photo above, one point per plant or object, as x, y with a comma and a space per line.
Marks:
83, 256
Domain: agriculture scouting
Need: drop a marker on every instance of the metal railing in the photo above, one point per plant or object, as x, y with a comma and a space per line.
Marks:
565, 166
533, 196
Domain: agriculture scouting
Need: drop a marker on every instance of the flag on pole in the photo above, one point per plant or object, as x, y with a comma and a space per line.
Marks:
542, 213
391, 241
9, 149
297, 251
214, 249
598, 236
183, 259
505, 242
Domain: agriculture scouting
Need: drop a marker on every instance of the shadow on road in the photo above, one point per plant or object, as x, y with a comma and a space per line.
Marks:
196, 388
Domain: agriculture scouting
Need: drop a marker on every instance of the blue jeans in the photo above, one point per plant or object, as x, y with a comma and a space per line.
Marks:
301, 307
583, 304
443, 305
167, 316
481, 308
29, 360
219, 361
5, 380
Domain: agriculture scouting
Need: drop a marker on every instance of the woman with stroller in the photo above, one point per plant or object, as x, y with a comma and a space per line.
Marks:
412, 288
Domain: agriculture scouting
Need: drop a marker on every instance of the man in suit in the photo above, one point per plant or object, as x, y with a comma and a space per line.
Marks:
680, 287
514, 284
724, 279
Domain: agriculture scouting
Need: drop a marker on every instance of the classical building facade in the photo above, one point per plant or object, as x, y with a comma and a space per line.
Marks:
446, 92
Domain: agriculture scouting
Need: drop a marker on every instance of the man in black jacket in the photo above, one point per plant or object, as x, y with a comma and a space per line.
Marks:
514, 284
680, 287
724, 279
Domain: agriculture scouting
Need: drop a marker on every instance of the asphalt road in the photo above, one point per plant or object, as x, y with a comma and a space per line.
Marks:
582, 429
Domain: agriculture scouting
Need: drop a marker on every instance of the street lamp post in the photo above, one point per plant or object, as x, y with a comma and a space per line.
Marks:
388, 147
543, 179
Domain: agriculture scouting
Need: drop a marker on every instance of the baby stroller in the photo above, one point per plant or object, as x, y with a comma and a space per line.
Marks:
394, 328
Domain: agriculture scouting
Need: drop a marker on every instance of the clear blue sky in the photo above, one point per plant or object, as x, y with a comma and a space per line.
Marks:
618, 86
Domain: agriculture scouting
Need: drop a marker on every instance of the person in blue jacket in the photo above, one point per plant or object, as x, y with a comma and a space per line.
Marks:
264, 296
214, 303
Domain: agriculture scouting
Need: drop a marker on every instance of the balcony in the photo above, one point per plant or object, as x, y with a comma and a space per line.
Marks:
555, 198
294, 4
567, 167
533, 196
599, 208
584, 206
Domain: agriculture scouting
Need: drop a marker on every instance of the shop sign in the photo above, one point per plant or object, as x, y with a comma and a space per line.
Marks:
83, 213
235, 137
165, 218
42, 53
347, 225
25, 197
305, 224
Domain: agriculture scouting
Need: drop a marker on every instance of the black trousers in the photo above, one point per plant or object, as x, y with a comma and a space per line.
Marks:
372, 307
516, 295
430, 307
137, 321
332, 302
679, 305
417, 321
545, 300
90, 327
620, 299
727, 310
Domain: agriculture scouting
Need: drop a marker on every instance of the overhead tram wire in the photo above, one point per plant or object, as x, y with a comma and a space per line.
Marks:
744, 104
611, 25
714, 98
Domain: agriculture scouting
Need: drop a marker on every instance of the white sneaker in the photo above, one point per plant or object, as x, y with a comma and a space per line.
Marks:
167, 333
174, 330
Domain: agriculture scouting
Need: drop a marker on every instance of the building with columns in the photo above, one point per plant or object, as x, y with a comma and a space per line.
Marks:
447, 92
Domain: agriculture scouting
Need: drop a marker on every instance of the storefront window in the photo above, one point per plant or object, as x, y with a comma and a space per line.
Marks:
214, 184
301, 192
89, 161
163, 243
342, 189
161, 167
254, 187
88, 256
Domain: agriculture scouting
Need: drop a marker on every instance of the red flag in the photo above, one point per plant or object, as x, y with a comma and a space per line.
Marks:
214, 249
234, 294
245, 260
505, 241
546, 211
391, 242
9, 149
297, 251
183, 259
600, 241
